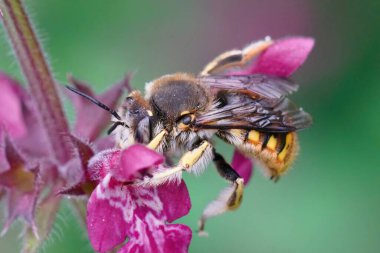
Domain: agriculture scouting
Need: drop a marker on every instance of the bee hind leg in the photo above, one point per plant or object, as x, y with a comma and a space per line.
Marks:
236, 58
229, 199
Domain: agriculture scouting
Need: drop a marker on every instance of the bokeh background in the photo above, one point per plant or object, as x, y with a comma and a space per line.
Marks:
330, 200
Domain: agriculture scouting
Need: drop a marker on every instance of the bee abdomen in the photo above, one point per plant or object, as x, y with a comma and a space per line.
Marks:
275, 150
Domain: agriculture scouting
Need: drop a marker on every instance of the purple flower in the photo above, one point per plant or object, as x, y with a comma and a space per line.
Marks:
22, 184
282, 59
118, 210
28, 168
20, 173
10, 93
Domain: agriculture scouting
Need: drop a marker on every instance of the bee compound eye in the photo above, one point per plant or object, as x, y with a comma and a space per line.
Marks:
186, 120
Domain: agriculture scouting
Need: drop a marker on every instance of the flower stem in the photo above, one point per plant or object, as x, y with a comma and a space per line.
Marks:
38, 76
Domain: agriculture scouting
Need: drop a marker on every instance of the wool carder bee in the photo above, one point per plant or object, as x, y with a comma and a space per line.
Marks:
181, 113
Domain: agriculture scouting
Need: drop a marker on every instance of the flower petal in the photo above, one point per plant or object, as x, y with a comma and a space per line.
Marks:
11, 117
116, 211
44, 219
242, 165
175, 238
106, 224
104, 142
178, 238
103, 163
22, 186
136, 160
31, 140
4, 164
21, 204
90, 120
75, 172
173, 193
284, 57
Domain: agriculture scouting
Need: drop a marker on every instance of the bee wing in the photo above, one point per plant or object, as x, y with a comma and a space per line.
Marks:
256, 85
239, 111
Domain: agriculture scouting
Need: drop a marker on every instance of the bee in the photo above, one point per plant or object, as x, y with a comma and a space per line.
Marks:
181, 113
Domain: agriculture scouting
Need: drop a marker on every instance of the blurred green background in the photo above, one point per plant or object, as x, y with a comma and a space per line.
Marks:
330, 200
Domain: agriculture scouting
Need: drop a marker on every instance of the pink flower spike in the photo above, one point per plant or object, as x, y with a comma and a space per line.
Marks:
242, 165
284, 57
116, 211
136, 160
11, 117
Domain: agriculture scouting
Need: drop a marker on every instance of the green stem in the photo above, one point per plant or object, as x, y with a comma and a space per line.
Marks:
38, 76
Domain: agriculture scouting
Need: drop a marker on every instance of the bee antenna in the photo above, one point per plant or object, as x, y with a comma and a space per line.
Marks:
95, 101
116, 124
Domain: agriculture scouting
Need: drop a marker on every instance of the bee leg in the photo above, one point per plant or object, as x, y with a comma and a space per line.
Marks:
194, 160
236, 58
229, 199
197, 159
275, 178
157, 140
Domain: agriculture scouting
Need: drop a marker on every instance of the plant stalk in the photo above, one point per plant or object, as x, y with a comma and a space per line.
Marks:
39, 78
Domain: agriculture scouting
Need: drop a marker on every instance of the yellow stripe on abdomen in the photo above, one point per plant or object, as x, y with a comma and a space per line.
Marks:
288, 144
272, 142
253, 136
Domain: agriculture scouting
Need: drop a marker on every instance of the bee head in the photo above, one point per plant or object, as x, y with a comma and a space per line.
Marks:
134, 108
136, 113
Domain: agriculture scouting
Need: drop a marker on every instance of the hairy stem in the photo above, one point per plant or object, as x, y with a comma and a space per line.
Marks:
38, 76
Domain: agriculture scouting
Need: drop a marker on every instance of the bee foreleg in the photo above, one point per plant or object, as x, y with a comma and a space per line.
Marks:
230, 198
236, 58
157, 140
194, 161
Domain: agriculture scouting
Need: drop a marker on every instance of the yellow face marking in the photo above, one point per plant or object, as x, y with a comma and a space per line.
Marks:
272, 143
183, 127
253, 136
288, 141
149, 113
191, 157
153, 144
